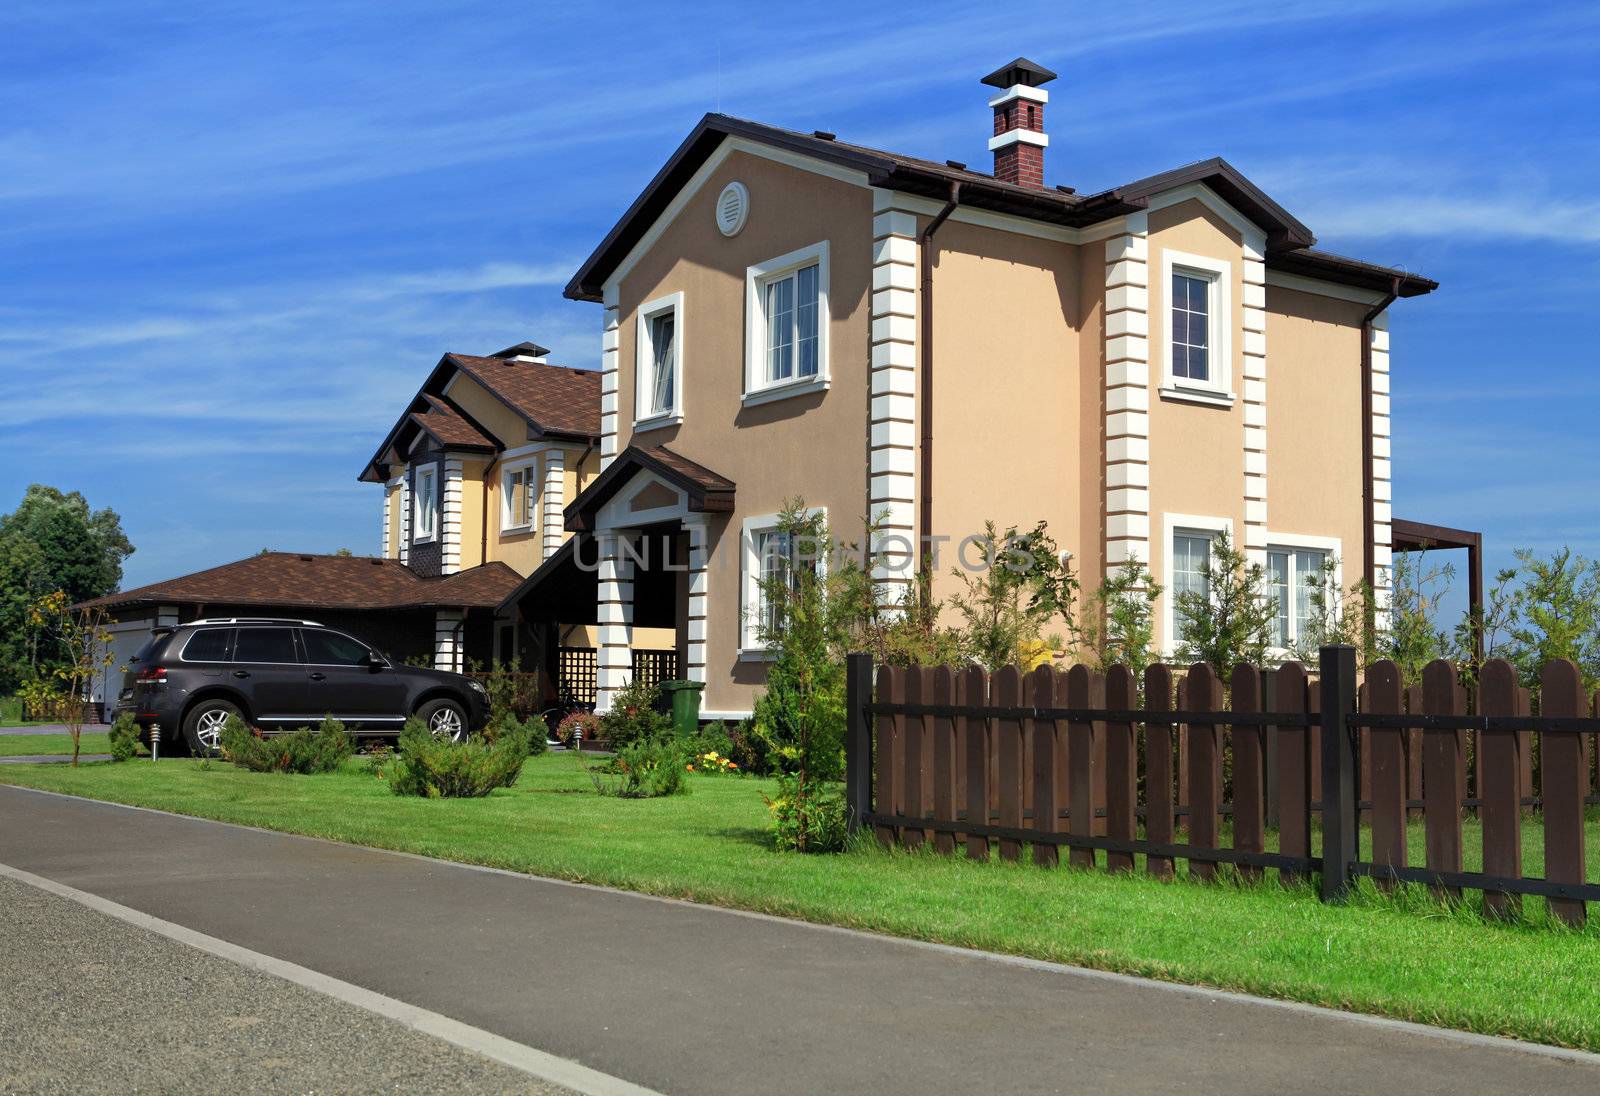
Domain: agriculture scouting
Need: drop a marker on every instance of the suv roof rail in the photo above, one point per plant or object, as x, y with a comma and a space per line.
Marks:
255, 620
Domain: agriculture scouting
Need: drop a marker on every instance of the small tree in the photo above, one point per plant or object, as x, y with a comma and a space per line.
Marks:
1336, 616
1117, 624
1230, 620
1023, 586
1555, 613
82, 643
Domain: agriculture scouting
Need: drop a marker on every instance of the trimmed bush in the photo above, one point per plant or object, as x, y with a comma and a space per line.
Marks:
303, 751
587, 722
436, 768
809, 817
124, 736
534, 728
635, 717
645, 771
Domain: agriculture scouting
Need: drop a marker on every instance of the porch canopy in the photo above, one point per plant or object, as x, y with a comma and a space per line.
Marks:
1417, 536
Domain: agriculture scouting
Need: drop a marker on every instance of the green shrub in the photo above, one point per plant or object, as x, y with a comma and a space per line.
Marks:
809, 817
437, 768
710, 751
124, 736
645, 770
749, 750
534, 728
303, 751
635, 717
568, 728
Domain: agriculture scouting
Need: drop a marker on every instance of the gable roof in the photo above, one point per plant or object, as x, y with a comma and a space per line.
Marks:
1060, 206
450, 427
556, 401
708, 491
290, 579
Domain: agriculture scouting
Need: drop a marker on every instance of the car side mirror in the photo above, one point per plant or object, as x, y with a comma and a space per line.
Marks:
375, 661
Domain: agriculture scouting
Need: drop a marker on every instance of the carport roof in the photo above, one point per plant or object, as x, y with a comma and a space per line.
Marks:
305, 580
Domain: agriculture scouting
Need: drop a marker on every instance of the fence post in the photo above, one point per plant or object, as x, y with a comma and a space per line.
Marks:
858, 738
1340, 838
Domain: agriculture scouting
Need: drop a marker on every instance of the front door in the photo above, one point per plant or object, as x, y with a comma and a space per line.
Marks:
343, 682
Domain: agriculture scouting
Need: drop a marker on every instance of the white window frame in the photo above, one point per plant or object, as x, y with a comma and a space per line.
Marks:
1285, 542
430, 472
1217, 389
757, 389
521, 467
1171, 526
750, 646
646, 417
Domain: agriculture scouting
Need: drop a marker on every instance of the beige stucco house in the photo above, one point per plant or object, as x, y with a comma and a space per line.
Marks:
787, 315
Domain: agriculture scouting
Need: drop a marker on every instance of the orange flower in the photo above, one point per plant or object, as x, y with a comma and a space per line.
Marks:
689, 767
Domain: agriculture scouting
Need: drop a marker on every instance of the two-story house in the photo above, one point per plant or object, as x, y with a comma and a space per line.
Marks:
789, 315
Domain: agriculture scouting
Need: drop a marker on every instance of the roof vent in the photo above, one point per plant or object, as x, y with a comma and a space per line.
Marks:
305, 559
733, 208
824, 135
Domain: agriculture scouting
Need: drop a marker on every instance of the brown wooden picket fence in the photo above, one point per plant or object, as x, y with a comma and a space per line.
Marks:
1108, 764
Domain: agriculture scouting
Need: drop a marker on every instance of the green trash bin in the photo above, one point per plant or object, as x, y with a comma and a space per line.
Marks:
685, 699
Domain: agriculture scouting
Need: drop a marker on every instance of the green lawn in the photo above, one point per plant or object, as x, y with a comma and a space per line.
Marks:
11, 713
21, 745
1404, 956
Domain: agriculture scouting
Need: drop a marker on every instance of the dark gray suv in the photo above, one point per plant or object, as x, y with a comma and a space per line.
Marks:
283, 674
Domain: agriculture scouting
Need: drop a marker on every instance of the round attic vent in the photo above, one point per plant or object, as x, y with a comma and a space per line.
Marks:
733, 208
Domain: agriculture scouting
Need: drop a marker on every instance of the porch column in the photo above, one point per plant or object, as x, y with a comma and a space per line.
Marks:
553, 498
448, 640
697, 527
614, 660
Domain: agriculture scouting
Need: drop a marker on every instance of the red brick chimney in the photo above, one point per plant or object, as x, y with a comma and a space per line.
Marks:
1019, 139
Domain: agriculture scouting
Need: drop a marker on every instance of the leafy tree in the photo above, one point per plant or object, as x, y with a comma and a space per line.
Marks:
1413, 638
1024, 585
1555, 614
1336, 616
51, 542
1229, 621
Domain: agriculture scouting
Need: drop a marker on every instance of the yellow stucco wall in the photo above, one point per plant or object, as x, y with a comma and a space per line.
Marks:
813, 446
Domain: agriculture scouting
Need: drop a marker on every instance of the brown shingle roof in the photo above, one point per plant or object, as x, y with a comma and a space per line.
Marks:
289, 579
557, 398
911, 174
707, 491
449, 427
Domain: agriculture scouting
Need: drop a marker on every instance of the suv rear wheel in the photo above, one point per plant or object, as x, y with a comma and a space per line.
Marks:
202, 727
445, 719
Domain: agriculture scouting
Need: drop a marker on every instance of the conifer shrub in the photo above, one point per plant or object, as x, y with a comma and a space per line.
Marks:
437, 768
302, 751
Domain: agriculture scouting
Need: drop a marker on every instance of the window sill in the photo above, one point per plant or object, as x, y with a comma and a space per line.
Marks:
429, 539
774, 392
515, 530
1206, 397
657, 422
757, 654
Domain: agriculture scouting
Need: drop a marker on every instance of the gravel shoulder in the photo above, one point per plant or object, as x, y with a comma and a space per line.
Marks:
93, 1005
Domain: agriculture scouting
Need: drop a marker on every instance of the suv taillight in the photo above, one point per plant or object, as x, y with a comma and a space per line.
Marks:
155, 675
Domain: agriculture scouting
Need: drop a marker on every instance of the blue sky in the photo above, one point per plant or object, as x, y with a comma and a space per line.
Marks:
234, 235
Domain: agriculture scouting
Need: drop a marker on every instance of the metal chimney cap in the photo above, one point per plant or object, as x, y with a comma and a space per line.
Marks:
1020, 71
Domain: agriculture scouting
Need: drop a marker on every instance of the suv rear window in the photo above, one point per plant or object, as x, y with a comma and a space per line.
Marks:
209, 645
265, 645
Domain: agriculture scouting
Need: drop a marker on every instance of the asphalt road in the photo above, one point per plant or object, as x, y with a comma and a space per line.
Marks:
91, 1005
689, 999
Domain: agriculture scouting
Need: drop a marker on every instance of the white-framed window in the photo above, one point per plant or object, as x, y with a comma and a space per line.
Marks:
658, 372
425, 503
519, 496
769, 554
1187, 546
786, 325
1296, 569
1196, 328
